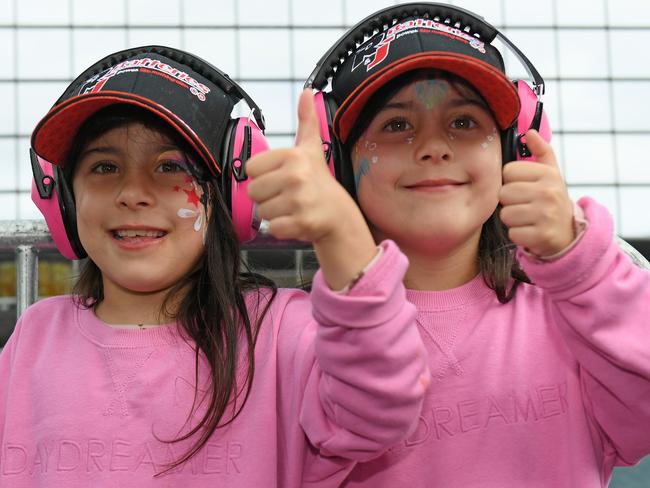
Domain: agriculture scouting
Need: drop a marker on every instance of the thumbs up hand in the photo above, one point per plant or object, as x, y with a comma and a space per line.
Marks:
299, 197
536, 206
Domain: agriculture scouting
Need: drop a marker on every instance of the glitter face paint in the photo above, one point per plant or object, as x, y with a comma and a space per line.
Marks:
364, 165
196, 195
431, 92
435, 100
490, 138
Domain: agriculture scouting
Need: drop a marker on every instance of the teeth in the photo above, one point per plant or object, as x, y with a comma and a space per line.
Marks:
138, 233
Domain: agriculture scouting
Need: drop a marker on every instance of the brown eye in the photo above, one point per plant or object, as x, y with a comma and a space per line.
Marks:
104, 167
397, 125
171, 167
463, 123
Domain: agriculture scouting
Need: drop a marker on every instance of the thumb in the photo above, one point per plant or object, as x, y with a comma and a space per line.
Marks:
541, 150
308, 132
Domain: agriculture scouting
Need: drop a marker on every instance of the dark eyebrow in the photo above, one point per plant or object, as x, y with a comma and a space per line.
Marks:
474, 102
396, 105
117, 151
454, 103
108, 150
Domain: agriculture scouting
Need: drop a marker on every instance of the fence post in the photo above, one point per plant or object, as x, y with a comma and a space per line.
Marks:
26, 277
25, 238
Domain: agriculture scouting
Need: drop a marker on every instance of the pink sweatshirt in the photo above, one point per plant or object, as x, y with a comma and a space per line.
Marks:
551, 390
338, 378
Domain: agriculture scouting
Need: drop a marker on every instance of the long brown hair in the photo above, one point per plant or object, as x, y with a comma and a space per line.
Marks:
211, 308
496, 254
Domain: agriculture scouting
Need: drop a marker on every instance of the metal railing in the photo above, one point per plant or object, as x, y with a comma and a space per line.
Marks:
27, 237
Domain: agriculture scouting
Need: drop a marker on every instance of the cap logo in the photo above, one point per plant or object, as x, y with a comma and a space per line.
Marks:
149, 66
377, 50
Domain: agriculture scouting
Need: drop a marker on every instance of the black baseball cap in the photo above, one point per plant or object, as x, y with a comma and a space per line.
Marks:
192, 96
417, 43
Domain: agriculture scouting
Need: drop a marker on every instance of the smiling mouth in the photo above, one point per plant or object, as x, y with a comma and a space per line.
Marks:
137, 234
434, 184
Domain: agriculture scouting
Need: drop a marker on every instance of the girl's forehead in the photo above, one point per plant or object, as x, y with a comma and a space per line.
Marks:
424, 89
133, 133
133, 140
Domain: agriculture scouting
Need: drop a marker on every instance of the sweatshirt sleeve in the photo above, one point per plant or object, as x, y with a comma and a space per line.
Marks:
6, 361
601, 302
363, 364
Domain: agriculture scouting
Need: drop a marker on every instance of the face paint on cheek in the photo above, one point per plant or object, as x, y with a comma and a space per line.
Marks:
371, 146
186, 213
489, 139
431, 92
364, 169
195, 196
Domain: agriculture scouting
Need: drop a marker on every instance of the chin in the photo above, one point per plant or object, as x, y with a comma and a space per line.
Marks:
140, 286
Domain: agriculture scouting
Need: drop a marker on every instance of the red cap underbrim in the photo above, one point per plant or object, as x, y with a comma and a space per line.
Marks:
52, 138
498, 91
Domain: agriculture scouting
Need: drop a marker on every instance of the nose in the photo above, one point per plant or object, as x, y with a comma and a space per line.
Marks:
136, 190
434, 144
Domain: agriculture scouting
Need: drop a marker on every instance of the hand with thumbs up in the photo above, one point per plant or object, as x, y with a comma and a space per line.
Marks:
297, 194
536, 205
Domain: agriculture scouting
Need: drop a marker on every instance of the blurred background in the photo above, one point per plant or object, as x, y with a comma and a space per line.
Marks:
593, 55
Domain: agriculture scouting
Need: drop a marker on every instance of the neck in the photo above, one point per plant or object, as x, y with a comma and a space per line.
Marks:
441, 269
121, 306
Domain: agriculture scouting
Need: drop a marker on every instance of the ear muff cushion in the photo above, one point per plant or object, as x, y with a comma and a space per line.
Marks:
59, 212
325, 124
508, 144
342, 165
69, 212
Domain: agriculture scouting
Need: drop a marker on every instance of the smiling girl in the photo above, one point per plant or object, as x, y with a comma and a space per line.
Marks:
536, 323
169, 366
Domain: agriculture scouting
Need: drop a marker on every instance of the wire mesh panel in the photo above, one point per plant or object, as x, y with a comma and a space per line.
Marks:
592, 53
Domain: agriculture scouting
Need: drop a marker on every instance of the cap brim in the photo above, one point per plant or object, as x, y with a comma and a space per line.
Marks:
52, 138
498, 91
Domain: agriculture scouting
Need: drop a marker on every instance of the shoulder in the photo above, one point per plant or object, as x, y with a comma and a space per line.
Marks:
47, 310
51, 305
34, 326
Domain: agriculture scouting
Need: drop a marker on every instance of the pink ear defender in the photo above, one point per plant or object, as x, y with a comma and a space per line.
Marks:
321, 113
531, 116
249, 141
48, 196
